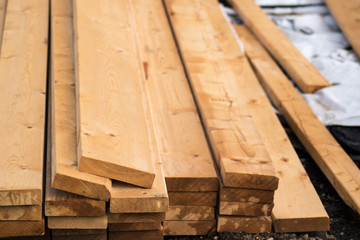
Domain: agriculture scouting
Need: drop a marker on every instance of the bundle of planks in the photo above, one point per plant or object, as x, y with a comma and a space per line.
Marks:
23, 68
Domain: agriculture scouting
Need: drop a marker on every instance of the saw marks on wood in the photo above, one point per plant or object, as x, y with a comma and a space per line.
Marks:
187, 213
135, 217
77, 222
65, 174
189, 227
304, 74
21, 228
193, 198
23, 68
114, 140
240, 154
31, 212
244, 224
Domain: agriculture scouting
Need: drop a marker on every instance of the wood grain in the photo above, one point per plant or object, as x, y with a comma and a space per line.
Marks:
113, 135
193, 198
65, 173
21, 228
240, 154
176, 228
135, 217
23, 213
187, 213
343, 174
304, 74
244, 224
77, 222
74, 232
139, 235
346, 14
146, 226
23, 68
245, 195
245, 208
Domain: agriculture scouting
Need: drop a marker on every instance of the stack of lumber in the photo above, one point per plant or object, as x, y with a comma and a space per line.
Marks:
246, 169
23, 67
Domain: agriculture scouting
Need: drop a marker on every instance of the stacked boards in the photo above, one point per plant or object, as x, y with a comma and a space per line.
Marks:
245, 166
23, 69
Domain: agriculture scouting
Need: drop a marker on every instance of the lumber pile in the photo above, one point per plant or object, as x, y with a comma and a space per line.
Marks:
22, 110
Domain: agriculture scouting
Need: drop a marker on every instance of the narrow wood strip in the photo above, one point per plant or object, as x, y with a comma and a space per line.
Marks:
146, 226
178, 228
337, 166
135, 217
190, 213
304, 74
245, 195
65, 174
21, 228
24, 213
65, 232
82, 237
139, 235
240, 154
114, 139
193, 198
347, 15
244, 224
77, 222
23, 68
2, 18
245, 208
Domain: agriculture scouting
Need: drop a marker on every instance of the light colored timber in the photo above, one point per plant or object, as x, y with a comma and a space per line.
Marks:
245, 195
21, 228
245, 208
185, 154
102, 236
23, 68
304, 74
2, 18
146, 226
190, 213
31, 212
244, 224
77, 222
114, 139
175, 228
138, 235
135, 217
338, 167
74, 232
347, 15
192, 198
65, 174
239, 151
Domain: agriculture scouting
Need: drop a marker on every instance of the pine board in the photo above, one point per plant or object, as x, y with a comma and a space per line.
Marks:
21, 228
146, 226
114, 140
344, 175
193, 198
244, 224
185, 154
23, 68
240, 154
304, 74
245, 195
135, 217
82, 237
21, 213
245, 208
139, 235
77, 222
65, 173
180, 228
346, 14
187, 213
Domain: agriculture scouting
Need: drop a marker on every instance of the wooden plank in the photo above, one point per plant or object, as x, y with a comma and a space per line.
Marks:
240, 154
2, 18
22, 102
73, 232
193, 198
82, 237
77, 222
114, 139
139, 235
31, 212
146, 226
135, 217
185, 154
304, 74
245, 195
343, 174
65, 174
244, 224
176, 228
21, 228
245, 208
190, 213
347, 15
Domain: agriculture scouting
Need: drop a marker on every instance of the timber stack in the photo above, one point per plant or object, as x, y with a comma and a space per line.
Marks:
153, 121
